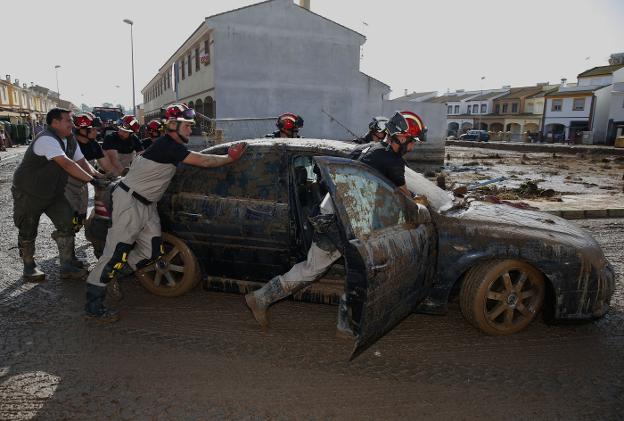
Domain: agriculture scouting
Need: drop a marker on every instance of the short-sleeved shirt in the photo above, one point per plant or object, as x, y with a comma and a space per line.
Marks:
381, 157
91, 150
50, 148
165, 150
127, 146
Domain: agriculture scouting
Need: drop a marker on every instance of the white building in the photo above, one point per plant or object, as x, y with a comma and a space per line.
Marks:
615, 127
272, 57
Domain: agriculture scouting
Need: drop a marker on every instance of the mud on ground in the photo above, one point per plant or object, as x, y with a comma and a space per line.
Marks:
541, 176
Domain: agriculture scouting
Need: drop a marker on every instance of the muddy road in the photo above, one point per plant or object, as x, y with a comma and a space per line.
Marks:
202, 356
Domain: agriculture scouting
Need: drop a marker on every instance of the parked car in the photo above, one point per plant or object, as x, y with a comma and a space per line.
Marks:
480, 135
247, 222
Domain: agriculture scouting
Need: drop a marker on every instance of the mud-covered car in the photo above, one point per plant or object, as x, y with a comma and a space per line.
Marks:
247, 222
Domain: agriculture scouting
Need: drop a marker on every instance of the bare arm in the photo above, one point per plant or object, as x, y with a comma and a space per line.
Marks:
112, 156
206, 160
72, 168
405, 191
88, 168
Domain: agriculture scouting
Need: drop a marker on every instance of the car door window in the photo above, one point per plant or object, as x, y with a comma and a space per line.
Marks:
370, 203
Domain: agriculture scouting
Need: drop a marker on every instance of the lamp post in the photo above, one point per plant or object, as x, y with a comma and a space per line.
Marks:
129, 22
56, 67
480, 95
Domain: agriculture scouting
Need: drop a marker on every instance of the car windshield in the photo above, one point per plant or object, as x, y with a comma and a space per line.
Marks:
439, 199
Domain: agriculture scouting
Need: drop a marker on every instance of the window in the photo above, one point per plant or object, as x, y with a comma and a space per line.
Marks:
456, 109
206, 60
190, 65
497, 108
579, 104
182, 67
483, 108
475, 108
449, 109
556, 104
468, 110
197, 59
514, 107
370, 202
505, 108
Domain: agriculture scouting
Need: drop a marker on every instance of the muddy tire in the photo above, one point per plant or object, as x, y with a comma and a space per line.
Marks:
178, 273
501, 297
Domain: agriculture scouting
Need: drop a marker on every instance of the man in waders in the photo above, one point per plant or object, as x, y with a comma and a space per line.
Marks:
122, 146
135, 236
39, 187
76, 191
403, 130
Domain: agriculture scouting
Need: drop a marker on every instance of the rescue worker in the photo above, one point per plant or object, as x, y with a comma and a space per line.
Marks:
76, 192
39, 187
123, 145
154, 129
403, 130
376, 131
135, 236
288, 125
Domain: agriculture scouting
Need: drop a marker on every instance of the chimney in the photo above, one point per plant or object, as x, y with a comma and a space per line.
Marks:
7, 78
305, 4
16, 82
405, 92
24, 85
563, 82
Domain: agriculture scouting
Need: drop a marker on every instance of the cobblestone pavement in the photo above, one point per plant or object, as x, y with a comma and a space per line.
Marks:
201, 356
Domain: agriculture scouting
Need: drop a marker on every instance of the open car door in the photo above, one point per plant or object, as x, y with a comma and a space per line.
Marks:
389, 251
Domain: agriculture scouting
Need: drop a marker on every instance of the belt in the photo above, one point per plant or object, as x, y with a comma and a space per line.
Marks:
134, 194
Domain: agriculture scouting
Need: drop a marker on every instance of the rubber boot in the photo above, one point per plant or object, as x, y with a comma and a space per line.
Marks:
66, 250
260, 300
95, 309
27, 252
343, 330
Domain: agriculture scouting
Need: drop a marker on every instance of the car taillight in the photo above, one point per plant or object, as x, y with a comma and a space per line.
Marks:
100, 209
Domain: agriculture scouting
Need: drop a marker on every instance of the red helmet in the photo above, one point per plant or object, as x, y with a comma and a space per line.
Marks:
289, 121
129, 124
180, 112
406, 122
154, 125
86, 120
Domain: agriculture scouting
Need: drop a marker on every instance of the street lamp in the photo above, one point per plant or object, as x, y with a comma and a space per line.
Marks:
129, 22
481, 99
56, 67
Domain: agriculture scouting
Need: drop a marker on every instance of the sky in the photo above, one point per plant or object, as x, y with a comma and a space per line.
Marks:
434, 45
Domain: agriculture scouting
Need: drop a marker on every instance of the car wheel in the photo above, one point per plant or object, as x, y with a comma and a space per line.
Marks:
501, 297
175, 274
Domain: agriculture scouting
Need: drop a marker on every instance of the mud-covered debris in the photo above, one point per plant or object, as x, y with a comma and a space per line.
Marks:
441, 181
607, 167
430, 174
471, 164
563, 167
580, 155
448, 156
606, 160
460, 191
548, 193
619, 159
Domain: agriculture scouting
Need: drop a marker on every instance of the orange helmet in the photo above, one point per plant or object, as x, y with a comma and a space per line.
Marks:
180, 112
129, 124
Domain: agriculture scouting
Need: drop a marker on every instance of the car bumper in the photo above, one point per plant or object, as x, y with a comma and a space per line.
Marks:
590, 302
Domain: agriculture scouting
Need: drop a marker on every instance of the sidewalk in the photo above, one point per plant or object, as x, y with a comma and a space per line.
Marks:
588, 206
539, 147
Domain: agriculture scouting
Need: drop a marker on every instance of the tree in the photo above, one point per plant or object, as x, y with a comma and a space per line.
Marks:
121, 107
107, 104
85, 107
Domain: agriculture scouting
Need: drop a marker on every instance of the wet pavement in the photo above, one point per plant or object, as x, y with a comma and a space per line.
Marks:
202, 356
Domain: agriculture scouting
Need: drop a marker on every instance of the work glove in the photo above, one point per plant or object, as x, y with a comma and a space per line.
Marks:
236, 151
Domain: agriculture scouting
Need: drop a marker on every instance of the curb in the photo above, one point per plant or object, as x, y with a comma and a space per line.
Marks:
541, 147
587, 213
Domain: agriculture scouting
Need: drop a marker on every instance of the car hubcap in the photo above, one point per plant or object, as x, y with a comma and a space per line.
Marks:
512, 298
168, 270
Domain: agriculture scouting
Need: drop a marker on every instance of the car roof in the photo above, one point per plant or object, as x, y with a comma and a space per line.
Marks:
320, 146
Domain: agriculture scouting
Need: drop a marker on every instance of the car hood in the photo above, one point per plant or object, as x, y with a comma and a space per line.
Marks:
503, 221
